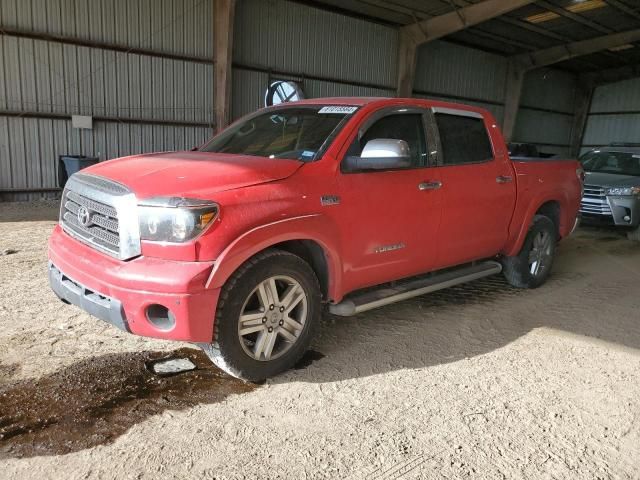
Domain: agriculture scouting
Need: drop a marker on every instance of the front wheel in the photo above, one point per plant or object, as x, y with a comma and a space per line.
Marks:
267, 315
532, 266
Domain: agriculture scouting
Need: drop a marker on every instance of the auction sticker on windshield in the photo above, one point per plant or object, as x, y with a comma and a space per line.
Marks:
338, 109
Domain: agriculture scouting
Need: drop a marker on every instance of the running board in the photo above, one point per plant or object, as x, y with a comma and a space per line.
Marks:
371, 299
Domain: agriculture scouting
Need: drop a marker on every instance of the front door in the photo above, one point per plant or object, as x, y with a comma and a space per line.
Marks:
391, 216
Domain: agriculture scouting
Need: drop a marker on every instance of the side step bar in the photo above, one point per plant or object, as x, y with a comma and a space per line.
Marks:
371, 299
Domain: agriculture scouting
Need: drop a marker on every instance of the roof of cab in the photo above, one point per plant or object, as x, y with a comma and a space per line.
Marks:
362, 101
355, 101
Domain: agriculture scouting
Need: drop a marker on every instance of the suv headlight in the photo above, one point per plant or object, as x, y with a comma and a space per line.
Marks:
623, 191
174, 219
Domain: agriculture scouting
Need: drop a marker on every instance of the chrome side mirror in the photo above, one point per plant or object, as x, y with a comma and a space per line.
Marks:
381, 154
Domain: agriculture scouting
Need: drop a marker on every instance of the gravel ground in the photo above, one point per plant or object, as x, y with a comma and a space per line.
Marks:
481, 381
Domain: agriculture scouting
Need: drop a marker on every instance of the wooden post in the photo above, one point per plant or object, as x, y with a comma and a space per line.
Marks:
515, 80
224, 11
584, 95
407, 51
421, 32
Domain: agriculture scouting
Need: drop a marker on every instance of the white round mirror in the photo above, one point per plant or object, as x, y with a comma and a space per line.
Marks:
282, 91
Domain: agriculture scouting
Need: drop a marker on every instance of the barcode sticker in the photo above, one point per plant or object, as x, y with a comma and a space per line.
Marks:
338, 109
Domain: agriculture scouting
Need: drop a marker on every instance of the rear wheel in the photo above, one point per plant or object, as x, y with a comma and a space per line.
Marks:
267, 315
532, 266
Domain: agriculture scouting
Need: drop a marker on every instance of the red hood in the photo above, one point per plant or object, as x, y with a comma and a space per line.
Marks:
192, 174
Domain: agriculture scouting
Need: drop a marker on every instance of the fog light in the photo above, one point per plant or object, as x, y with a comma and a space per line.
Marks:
627, 218
160, 317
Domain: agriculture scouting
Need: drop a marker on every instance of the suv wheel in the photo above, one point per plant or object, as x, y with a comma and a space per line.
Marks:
634, 235
532, 266
267, 314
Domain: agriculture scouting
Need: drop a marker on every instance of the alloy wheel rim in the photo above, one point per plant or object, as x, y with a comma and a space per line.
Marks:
540, 254
272, 318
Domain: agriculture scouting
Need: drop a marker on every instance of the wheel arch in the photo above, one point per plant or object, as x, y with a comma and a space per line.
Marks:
312, 253
553, 207
311, 237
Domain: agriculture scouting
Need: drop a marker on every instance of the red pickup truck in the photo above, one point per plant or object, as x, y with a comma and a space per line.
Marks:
347, 203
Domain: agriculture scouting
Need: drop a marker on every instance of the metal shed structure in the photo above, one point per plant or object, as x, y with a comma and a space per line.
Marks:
163, 75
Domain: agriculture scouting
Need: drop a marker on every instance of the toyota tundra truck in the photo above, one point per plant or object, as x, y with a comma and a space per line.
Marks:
338, 204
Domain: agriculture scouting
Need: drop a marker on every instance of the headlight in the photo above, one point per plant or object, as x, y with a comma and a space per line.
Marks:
623, 191
174, 219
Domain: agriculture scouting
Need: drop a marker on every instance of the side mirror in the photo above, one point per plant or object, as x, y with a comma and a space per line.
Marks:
381, 154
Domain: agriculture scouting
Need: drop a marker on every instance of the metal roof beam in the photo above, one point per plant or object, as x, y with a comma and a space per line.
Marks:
459, 19
573, 16
623, 8
520, 64
434, 28
549, 56
614, 75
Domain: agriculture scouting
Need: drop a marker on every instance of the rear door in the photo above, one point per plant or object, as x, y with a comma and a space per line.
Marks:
390, 217
478, 189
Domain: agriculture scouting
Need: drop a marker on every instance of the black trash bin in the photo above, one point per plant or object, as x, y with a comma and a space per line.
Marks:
70, 164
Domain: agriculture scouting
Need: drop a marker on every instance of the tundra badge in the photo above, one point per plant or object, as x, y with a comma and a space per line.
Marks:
389, 248
327, 200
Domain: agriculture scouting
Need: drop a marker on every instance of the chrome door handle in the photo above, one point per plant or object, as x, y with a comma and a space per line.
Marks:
430, 185
504, 179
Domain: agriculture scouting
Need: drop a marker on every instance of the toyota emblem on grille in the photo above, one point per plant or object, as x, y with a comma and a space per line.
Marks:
84, 217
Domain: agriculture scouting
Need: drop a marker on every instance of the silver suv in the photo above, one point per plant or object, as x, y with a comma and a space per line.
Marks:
612, 187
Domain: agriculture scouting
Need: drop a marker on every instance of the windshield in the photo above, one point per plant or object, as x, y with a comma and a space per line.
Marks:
298, 133
619, 163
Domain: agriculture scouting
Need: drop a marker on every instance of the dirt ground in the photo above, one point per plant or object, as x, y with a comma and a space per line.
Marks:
481, 381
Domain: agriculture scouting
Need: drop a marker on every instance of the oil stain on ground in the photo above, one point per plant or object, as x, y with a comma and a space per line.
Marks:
94, 401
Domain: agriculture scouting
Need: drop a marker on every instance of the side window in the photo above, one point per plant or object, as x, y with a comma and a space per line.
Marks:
407, 127
463, 139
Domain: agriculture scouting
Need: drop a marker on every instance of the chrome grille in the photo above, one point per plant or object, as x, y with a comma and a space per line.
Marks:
594, 201
102, 214
101, 228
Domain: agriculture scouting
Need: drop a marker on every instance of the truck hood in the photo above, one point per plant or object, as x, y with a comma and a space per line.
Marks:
611, 180
192, 174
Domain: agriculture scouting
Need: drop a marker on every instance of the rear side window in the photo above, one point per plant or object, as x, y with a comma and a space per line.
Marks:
463, 139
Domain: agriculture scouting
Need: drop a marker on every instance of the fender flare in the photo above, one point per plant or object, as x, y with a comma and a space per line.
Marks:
516, 241
314, 227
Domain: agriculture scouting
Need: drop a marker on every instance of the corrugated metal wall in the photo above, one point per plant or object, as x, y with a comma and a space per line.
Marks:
614, 115
546, 110
331, 54
168, 78
43, 83
456, 73
450, 72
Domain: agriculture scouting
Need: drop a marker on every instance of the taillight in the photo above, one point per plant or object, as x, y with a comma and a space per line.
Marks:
580, 174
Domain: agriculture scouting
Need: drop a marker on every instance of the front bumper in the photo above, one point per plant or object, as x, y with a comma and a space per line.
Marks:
625, 207
615, 211
105, 308
121, 292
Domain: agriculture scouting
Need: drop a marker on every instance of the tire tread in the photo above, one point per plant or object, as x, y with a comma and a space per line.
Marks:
213, 349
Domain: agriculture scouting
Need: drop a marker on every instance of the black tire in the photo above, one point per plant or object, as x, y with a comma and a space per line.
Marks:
227, 351
634, 235
519, 270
